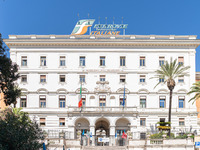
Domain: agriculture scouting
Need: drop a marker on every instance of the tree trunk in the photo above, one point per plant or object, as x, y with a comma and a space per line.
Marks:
170, 107
15, 104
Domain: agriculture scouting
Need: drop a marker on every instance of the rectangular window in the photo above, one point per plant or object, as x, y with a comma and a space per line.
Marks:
43, 61
24, 61
142, 102
142, 136
24, 78
122, 61
161, 61
161, 80
142, 122
102, 61
162, 102
82, 78
181, 102
43, 78
142, 78
62, 60
62, 101
42, 122
181, 121
62, 78
180, 60
42, 101
84, 100
102, 78
23, 101
102, 101
62, 121
122, 79
121, 99
181, 79
142, 61
82, 61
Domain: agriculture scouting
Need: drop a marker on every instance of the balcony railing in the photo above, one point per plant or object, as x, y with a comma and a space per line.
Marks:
103, 109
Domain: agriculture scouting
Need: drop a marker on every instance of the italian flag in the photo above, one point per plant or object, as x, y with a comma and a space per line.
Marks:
80, 99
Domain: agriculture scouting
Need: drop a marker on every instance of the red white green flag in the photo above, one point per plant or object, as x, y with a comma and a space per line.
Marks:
80, 98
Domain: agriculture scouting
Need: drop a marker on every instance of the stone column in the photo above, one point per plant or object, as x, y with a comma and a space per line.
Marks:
92, 130
71, 130
112, 136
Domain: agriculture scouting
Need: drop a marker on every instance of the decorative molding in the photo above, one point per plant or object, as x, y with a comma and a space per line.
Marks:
121, 91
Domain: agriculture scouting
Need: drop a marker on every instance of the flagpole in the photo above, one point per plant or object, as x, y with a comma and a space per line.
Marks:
81, 96
80, 99
124, 97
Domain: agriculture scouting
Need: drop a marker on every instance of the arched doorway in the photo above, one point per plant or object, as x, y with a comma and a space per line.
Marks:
102, 130
122, 127
82, 130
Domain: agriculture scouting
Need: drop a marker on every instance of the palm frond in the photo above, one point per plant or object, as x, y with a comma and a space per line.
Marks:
170, 70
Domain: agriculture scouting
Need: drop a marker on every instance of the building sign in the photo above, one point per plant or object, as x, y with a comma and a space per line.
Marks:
197, 144
82, 26
103, 140
101, 29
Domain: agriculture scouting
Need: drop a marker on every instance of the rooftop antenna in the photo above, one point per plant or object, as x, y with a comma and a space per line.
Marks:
78, 16
113, 23
89, 22
123, 29
99, 20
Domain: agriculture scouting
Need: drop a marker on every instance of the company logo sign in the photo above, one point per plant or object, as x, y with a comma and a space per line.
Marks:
101, 29
82, 26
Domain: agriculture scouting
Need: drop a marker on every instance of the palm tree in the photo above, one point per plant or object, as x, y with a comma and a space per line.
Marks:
195, 89
168, 73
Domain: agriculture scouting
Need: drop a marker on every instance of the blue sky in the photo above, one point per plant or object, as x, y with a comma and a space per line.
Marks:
144, 17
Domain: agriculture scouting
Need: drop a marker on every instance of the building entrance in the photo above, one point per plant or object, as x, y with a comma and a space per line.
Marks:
102, 132
82, 131
122, 130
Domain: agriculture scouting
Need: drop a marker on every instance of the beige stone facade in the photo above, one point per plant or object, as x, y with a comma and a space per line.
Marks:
2, 104
198, 101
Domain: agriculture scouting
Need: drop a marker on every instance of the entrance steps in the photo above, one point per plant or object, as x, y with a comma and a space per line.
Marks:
104, 148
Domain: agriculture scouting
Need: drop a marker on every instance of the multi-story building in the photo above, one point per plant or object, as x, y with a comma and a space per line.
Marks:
53, 67
198, 101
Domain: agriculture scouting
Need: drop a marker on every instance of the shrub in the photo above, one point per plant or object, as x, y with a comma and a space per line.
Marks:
156, 136
184, 136
171, 136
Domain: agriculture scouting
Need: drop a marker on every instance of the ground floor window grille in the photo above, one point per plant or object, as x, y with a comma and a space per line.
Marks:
142, 136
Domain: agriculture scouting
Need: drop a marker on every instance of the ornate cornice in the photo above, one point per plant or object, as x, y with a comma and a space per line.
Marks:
85, 41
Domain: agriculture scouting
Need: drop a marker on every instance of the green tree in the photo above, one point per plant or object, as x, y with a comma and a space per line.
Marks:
169, 72
196, 90
8, 76
18, 132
